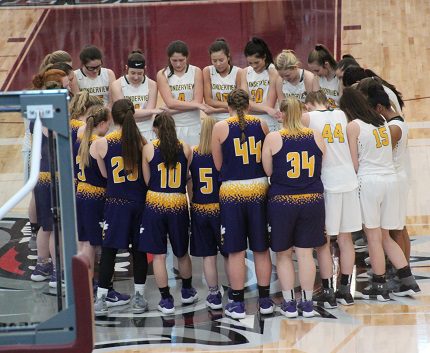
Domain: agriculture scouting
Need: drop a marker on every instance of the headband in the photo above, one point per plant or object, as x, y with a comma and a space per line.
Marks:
136, 64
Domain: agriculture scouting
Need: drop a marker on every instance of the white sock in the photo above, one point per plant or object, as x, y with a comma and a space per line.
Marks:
288, 295
139, 288
307, 295
101, 291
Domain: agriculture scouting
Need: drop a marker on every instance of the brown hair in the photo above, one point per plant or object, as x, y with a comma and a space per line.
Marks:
58, 56
40, 81
318, 97
97, 115
355, 106
320, 54
169, 143
238, 100
132, 141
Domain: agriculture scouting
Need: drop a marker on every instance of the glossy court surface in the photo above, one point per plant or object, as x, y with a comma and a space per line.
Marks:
389, 37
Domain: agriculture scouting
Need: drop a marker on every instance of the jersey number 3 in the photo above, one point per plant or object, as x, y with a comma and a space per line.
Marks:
299, 162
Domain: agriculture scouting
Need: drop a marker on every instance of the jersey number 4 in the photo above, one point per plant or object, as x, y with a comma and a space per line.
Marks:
242, 150
330, 134
300, 161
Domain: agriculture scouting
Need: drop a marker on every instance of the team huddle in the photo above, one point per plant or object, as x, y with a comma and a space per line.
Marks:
273, 164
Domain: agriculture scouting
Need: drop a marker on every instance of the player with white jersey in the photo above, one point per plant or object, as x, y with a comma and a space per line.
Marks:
181, 87
219, 79
92, 77
379, 100
322, 63
371, 151
342, 205
141, 90
259, 80
293, 81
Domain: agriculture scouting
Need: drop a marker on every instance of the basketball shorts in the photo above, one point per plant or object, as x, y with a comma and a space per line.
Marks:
296, 220
243, 215
165, 215
90, 203
379, 201
42, 197
205, 237
121, 225
342, 212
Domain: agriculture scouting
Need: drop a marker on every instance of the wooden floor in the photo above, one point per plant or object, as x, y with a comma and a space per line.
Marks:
392, 39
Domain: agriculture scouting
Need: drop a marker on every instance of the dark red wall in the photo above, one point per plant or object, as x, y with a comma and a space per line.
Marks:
117, 29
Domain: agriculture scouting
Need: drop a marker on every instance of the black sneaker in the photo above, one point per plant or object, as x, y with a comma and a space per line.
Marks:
344, 297
325, 298
407, 289
378, 291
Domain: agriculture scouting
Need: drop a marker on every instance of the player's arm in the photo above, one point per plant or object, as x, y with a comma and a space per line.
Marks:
319, 140
266, 154
146, 114
353, 131
116, 91
218, 106
216, 144
396, 134
189, 179
100, 150
279, 94
111, 77
147, 154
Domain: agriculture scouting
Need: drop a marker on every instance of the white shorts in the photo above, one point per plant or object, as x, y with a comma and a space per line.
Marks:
379, 200
403, 196
342, 212
189, 134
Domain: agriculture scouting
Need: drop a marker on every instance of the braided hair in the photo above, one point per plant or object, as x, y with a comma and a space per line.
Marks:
238, 100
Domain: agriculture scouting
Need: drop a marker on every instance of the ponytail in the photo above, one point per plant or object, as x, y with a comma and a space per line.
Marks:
81, 102
132, 141
320, 54
258, 47
238, 100
169, 143
100, 114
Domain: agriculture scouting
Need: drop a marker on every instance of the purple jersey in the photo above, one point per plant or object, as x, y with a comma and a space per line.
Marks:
242, 160
173, 180
205, 178
119, 184
297, 165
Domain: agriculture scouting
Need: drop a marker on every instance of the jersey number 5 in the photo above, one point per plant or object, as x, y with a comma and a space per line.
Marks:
300, 161
205, 176
117, 164
242, 150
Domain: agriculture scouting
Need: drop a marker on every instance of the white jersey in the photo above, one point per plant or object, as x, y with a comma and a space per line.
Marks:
375, 155
98, 86
258, 87
298, 91
400, 150
182, 88
139, 96
331, 90
393, 99
221, 87
337, 173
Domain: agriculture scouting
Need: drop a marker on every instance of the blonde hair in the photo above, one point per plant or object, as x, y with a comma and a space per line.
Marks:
287, 59
98, 114
208, 124
58, 56
292, 109
80, 103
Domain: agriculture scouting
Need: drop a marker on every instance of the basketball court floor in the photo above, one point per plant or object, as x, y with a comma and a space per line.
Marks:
390, 37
